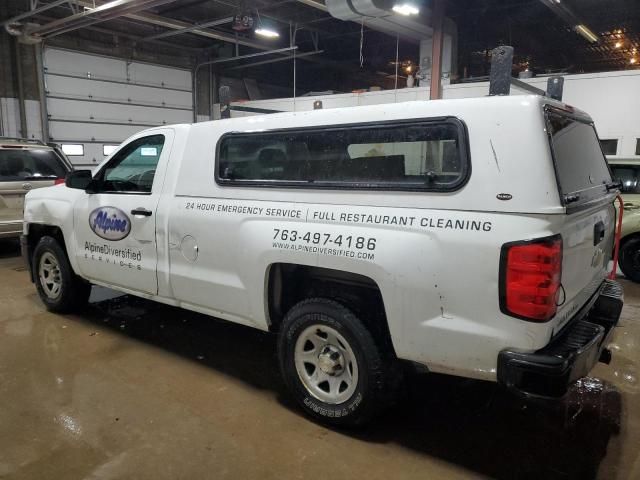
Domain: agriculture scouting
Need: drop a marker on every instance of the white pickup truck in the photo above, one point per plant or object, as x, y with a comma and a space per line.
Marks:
471, 237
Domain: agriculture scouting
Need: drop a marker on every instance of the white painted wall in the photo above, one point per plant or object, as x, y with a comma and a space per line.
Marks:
611, 98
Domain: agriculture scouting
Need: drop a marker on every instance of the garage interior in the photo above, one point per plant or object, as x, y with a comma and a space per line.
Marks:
135, 389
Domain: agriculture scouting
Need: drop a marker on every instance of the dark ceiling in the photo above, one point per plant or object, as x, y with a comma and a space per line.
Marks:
544, 40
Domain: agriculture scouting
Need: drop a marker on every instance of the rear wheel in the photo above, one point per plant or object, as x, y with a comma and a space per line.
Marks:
331, 363
60, 289
629, 260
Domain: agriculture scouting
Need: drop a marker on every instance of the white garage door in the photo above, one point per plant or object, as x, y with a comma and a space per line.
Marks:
96, 102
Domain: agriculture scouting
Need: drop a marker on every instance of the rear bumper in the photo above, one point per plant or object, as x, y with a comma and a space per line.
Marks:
571, 355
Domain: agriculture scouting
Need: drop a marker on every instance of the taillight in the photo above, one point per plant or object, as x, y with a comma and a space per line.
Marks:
58, 181
530, 278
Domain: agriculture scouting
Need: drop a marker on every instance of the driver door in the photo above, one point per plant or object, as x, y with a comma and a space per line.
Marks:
115, 225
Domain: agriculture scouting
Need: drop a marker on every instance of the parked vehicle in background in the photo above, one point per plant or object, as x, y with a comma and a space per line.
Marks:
24, 166
627, 171
471, 237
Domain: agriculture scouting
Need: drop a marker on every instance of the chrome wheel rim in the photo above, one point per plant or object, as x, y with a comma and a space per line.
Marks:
50, 275
326, 364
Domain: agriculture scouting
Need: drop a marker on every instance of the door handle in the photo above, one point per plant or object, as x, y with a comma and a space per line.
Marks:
140, 211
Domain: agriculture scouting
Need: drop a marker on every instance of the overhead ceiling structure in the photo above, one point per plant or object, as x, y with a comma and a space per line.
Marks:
207, 27
357, 37
550, 35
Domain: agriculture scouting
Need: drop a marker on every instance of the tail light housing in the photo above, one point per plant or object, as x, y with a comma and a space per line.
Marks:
530, 278
58, 181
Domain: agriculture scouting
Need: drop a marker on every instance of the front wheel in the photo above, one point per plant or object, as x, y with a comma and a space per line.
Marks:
629, 260
60, 289
331, 363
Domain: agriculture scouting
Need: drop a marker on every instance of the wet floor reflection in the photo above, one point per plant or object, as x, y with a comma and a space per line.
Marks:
470, 423
135, 389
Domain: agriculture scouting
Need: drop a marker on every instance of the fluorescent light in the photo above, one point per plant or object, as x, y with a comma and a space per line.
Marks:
586, 33
108, 5
266, 32
406, 9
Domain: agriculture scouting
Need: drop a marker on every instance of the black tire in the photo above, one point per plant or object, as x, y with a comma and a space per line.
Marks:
73, 292
629, 259
368, 396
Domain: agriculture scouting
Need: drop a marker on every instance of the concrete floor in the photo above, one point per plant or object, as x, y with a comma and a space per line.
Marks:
131, 389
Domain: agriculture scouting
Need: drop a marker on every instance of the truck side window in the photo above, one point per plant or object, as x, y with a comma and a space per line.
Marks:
133, 168
414, 155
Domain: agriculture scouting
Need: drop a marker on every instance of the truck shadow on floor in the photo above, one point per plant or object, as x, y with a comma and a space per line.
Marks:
472, 424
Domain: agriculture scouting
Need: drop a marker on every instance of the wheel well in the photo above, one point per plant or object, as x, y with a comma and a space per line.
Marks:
289, 284
631, 236
36, 232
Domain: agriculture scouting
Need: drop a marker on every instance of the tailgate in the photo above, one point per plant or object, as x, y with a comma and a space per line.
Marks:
587, 192
587, 238
12, 200
12, 197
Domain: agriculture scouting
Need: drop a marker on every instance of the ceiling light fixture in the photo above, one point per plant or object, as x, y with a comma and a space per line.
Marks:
586, 33
267, 32
406, 9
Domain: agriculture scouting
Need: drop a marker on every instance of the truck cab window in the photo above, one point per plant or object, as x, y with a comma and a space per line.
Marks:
134, 167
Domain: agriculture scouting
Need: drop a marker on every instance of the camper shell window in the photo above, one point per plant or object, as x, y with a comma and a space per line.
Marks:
581, 168
412, 155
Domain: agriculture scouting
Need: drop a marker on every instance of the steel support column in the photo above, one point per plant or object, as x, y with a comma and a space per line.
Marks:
20, 79
435, 91
44, 115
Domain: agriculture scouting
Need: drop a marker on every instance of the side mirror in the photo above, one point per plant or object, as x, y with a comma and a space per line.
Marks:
79, 179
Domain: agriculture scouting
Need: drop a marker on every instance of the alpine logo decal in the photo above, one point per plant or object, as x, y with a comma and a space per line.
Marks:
110, 223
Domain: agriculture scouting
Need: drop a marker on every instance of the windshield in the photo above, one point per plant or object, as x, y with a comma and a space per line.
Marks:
580, 165
17, 165
628, 175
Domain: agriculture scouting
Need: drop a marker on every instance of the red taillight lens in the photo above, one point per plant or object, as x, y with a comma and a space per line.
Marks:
530, 278
58, 181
